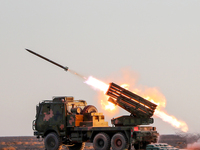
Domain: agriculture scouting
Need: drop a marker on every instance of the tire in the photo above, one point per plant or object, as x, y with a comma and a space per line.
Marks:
137, 146
119, 142
89, 109
141, 145
77, 146
144, 144
52, 142
101, 142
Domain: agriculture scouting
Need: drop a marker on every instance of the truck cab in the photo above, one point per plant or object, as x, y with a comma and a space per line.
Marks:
52, 114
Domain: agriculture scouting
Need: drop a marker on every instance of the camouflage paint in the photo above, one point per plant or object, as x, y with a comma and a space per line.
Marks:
90, 128
62, 126
82, 128
116, 121
48, 116
71, 120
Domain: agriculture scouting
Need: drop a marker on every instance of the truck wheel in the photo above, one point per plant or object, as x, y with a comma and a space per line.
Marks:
101, 141
137, 146
141, 145
144, 144
77, 146
89, 109
52, 141
119, 142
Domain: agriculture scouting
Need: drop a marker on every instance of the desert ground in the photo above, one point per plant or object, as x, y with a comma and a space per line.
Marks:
32, 143
27, 143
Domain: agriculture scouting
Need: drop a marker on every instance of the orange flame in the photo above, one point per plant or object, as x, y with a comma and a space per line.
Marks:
107, 105
97, 84
172, 120
151, 94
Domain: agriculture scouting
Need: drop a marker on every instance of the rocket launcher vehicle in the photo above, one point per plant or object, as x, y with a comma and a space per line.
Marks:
141, 109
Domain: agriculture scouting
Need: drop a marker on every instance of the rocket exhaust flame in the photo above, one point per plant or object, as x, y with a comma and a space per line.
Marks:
156, 97
97, 84
172, 120
107, 105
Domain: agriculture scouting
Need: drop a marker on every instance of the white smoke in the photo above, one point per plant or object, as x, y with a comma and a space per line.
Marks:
194, 146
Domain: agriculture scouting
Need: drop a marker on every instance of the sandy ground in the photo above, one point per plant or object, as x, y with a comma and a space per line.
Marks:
32, 143
27, 143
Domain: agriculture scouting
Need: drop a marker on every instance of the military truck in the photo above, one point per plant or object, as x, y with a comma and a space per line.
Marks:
64, 120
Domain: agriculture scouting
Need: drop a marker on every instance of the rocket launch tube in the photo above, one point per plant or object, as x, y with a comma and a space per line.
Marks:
133, 103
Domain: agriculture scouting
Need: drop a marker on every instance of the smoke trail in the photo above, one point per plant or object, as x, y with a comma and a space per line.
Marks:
77, 74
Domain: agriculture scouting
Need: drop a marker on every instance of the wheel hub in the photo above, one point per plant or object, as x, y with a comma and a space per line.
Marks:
118, 142
101, 143
51, 142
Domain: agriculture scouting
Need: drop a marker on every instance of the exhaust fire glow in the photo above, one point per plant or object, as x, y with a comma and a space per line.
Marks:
151, 94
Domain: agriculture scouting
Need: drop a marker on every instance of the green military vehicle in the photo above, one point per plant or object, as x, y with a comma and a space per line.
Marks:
64, 120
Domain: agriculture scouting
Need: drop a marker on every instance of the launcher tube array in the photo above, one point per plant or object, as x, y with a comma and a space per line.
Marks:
133, 103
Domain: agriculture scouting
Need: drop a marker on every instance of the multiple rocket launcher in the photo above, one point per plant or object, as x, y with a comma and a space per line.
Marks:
141, 109
133, 103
